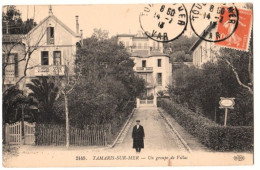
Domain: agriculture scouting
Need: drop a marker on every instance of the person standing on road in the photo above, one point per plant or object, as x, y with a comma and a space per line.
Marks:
138, 137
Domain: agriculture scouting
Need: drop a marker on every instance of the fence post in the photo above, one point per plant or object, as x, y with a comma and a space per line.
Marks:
137, 102
7, 133
155, 101
21, 138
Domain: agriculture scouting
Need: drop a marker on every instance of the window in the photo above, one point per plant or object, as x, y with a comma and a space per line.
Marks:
195, 58
143, 63
50, 35
145, 45
45, 58
57, 58
159, 62
139, 45
159, 78
134, 45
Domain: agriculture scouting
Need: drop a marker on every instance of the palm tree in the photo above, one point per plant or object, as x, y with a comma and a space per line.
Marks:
13, 99
10, 104
45, 93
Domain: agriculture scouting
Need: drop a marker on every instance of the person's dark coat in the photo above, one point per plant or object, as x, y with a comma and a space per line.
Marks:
138, 137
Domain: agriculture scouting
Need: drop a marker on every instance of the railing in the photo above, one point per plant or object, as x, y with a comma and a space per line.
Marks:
10, 80
146, 101
50, 70
144, 69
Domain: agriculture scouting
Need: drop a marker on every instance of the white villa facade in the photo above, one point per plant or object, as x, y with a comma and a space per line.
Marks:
53, 46
150, 62
204, 51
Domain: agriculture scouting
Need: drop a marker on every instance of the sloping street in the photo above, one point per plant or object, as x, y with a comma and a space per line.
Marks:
158, 136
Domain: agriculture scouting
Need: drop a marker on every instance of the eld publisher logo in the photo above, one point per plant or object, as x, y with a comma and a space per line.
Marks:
239, 158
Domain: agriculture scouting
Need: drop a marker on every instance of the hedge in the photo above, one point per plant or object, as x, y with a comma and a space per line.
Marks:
211, 134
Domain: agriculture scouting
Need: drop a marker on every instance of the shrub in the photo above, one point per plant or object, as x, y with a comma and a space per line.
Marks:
159, 100
231, 138
212, 135
201, 88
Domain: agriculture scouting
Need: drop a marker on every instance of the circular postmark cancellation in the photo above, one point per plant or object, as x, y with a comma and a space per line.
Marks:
214, 22
163, 22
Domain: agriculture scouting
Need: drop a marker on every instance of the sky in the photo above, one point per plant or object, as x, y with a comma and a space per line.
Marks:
117, 19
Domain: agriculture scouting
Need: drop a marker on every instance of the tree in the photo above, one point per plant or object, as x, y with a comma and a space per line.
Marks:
26, 44
100, 34
178, 50
12, 22
67, 84
108, 84
236, 60
201, 89
44, 93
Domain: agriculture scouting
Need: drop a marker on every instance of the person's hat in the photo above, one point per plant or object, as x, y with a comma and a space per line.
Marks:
137, 120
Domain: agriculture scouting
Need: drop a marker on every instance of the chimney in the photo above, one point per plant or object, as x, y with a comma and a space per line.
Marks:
50, 11
77, 24
81, 35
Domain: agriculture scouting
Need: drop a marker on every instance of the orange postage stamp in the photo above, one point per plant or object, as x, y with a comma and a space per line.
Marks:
240, 38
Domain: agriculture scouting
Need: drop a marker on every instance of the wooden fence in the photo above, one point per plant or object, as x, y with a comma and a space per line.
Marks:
90, 135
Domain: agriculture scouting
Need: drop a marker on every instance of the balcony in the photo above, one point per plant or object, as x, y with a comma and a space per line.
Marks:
144, 69
10, 80
50, 70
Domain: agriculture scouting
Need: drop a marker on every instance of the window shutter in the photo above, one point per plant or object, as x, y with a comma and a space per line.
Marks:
48, 35
16, 65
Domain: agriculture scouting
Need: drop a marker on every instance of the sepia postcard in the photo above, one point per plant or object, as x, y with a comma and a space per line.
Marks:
132, 85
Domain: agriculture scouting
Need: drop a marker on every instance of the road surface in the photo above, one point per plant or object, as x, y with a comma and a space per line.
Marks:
158, 136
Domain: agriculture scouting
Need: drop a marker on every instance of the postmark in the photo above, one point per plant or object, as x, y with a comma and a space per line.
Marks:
163, 22
206, 17
240, 39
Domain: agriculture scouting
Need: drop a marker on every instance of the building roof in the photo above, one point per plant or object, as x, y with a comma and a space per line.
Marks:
154, 52
140, 53
140, 38
145, 54
58, 21
125, 35
136, 36
11, 38
161, 55
203, 35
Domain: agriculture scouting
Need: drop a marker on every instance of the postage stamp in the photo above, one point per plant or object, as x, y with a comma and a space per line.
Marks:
240, 36
164, 22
